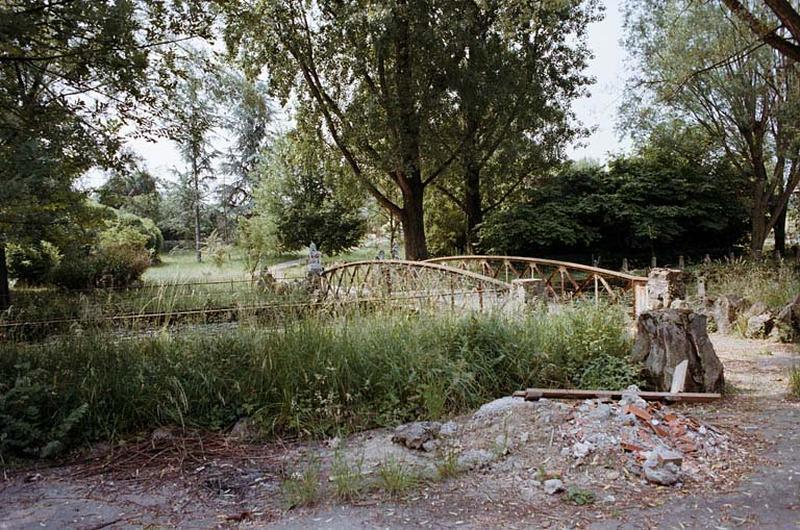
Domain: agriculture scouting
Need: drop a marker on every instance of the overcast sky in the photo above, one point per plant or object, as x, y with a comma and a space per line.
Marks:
597, 111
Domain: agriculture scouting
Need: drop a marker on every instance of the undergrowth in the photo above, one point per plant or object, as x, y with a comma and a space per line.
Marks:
311, 378
775, 283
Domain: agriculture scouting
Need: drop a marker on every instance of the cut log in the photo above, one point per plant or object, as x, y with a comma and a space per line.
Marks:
534, 394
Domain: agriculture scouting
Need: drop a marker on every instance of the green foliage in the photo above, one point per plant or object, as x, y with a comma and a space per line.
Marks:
131, 189
32, 264
609, 373
146, 227
745, 103
122, 256
296, 201
424, 92
26, 415
580, 497
316, 377
656, 199
447, 465
118, 258
77, 73
347, 477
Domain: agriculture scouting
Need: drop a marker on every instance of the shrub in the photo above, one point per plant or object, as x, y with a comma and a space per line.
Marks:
77, 270
122, 256
775, 283
119, 259
608, 372
32, 264
144, 226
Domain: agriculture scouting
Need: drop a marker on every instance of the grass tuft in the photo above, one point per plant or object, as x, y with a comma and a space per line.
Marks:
396, 479
302, 488
794, 383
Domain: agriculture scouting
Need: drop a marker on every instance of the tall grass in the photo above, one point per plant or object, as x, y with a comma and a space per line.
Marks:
310, 378
773, 282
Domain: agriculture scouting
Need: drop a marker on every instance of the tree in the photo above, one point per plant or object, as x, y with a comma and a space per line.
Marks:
769, 30
695, 69
380, 78
672, 193
246, 118
131, 188
193, 117
71, 73
300, 199
513, 107
376, 76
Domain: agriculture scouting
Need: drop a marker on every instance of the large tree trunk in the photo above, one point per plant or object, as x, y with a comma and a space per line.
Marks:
758, 234
473, 206
5, 291
413, 222
780, 233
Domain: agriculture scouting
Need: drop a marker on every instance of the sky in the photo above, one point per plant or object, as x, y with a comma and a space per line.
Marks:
598, 111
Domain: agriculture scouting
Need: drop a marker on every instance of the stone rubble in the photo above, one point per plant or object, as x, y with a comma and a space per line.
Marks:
657, 443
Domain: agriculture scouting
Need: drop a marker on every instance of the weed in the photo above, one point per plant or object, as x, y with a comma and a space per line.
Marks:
315, 376
500, 446
347, 477
542, 474
447, 465
580, 497
773, 282
395, 478
794, 383
302, 488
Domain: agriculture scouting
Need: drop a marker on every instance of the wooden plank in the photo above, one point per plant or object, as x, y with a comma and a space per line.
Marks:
534, 394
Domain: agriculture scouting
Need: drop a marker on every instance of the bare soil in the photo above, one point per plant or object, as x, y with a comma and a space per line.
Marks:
194, 481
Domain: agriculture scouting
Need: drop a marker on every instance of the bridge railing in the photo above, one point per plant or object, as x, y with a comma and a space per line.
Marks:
556, 279
415, 279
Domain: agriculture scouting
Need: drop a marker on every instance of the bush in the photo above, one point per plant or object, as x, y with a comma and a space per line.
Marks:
122, 256
146, 227
316, 378
32, 264
119, 259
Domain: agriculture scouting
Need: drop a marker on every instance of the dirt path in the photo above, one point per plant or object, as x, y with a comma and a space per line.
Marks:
279, 269
235, 486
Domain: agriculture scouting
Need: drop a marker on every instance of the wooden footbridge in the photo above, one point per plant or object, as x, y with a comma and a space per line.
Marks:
477, 280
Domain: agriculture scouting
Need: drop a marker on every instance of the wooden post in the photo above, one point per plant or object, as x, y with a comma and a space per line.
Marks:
639, 298
625, 265
653, 262
681, 262
701, 289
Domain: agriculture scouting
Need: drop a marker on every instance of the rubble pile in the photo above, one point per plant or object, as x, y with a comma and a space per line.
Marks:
657, 443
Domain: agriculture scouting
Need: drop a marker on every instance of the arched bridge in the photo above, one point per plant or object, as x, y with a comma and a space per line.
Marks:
558, 279
411, 280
